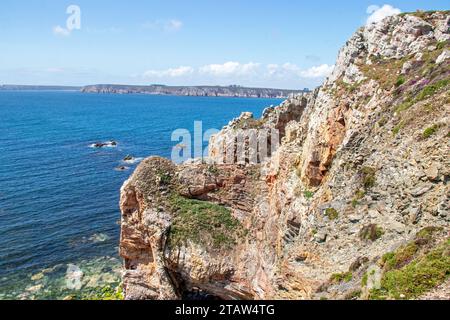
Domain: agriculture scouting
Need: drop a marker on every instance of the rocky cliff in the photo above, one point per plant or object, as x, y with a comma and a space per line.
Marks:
352, 204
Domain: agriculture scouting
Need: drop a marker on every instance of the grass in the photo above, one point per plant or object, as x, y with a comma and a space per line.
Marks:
400, 258
251, 123
332, 213
371, 232
203, 222
425, 15
428, 132
426, 92
385, 72
358, 196
105, 293
441, 45
405, 254
400, 81
353, 295
417, 277
213, 169
341, 277
383, 121
164, 177
398, 127
308, 194
427, 233
432, 89
364, 280
369, 178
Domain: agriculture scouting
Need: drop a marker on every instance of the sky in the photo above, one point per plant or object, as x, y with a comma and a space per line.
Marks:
279, 44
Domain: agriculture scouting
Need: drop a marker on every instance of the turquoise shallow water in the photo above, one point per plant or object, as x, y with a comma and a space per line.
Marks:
59, 197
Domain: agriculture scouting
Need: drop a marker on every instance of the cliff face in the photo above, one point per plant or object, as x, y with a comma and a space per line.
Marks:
353, 204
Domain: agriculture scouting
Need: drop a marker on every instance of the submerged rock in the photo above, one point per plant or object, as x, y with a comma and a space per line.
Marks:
128, 158
122, 168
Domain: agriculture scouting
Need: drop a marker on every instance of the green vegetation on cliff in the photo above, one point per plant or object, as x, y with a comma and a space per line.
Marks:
415, 268
341, 277
203, 222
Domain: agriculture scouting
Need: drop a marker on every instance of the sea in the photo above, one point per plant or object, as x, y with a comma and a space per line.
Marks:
59, 194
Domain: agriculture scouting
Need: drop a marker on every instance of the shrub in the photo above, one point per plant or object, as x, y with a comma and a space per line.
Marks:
430, 131
369, 178
308, 194
400, 81
358, 196
164, 178
353, 295
332, 213
397, 128
213, 169
341, 277
441, 45
371, 232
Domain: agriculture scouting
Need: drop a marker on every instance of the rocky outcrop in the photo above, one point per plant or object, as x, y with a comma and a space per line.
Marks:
249, 140
353, 201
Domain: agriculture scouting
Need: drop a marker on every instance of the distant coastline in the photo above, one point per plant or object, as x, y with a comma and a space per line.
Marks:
14, 87
194, 91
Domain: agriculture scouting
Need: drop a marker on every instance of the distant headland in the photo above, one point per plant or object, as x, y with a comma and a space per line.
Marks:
159, 89
15, 87
197, 91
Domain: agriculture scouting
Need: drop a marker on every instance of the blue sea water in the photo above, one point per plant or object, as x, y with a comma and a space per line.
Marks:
58, 196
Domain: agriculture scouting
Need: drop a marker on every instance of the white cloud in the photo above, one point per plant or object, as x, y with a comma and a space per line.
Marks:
60, 31
169, 73
379, 13
230, 69
287, 75
321, 71
292, 70
272, 69
171, 25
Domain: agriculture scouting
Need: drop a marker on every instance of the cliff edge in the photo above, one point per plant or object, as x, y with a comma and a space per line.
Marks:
352, 204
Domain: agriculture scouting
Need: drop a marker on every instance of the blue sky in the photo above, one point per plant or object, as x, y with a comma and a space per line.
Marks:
285, 44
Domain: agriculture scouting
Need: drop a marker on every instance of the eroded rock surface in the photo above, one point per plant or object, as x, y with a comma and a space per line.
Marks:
361, 174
